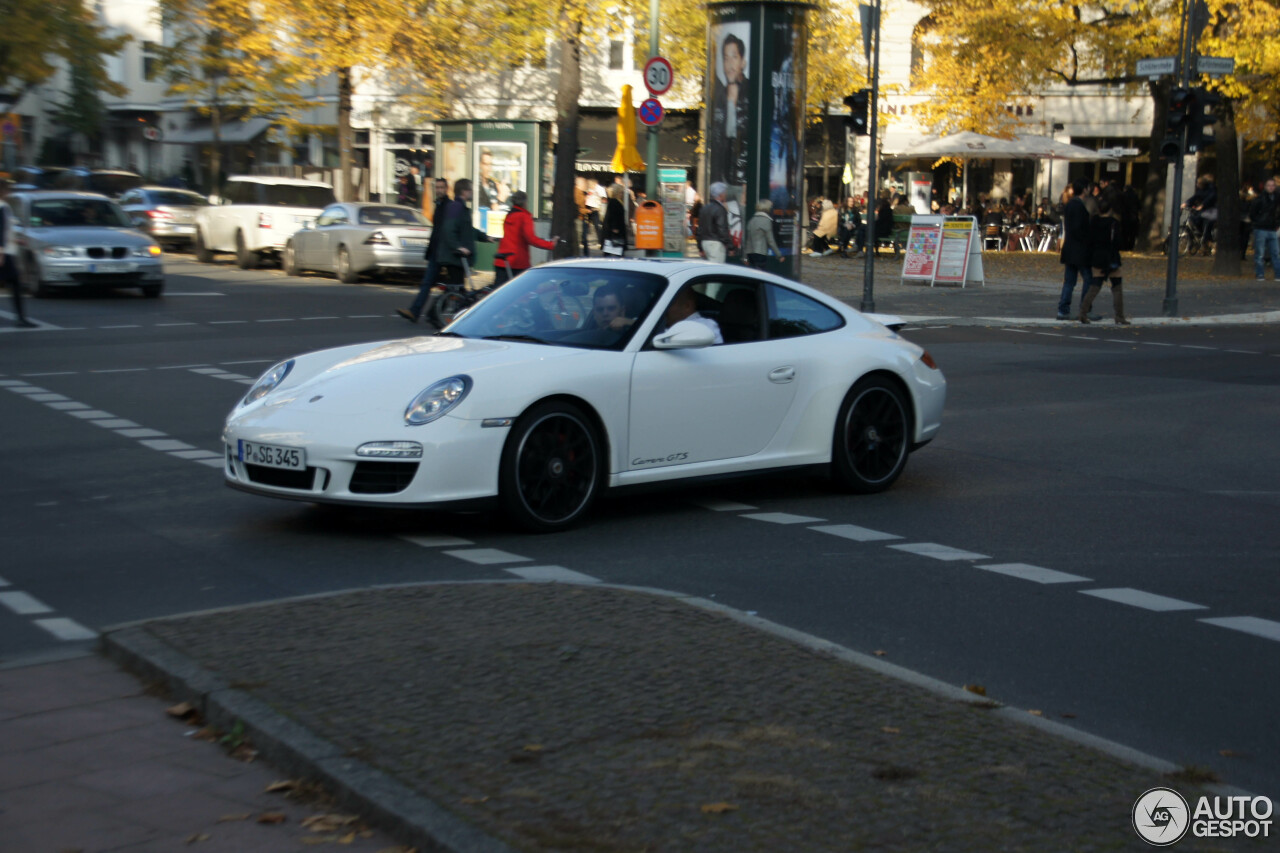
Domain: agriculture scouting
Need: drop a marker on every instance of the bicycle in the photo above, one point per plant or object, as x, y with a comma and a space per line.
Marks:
1193, 240
451, 299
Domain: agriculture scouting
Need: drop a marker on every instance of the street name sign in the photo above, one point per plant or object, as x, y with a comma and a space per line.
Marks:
1157, 67
1215, 65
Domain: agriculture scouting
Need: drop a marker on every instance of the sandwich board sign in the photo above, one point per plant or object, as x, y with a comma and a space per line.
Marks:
943, 249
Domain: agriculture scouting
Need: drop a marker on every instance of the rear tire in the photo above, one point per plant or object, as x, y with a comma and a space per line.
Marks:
152, 291
245, 259
1184, 243
203, 255
342, 267
289, 260
552, 468
872, 436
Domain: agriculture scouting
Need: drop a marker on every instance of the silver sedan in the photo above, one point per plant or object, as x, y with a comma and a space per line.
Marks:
78, 240
353, 239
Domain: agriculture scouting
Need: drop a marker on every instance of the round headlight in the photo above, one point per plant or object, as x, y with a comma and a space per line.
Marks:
435, 401
268, 382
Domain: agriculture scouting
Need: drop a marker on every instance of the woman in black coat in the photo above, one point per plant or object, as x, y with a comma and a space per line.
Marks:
615, 218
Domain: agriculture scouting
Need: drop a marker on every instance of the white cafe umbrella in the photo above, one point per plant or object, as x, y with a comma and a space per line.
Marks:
969, 145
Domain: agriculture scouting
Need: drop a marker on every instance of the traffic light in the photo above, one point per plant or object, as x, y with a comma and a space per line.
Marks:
1176, 122
857, 104
1201, 99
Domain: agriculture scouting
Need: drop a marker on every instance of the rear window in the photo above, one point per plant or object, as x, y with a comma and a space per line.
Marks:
76, 212
291, 195
113, 185
177, 198
387, 215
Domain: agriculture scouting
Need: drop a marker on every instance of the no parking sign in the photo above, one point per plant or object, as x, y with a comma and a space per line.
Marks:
651, 112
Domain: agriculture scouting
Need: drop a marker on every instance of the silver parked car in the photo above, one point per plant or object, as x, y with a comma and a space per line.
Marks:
74, 239
167, 214
353, 238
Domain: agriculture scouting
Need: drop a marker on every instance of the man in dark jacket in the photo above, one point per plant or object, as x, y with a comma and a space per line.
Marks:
1264, 213
456, 247
713, 225
1075, 248
432, 272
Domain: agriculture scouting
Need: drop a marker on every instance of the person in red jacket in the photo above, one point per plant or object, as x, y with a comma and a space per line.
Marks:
517, 236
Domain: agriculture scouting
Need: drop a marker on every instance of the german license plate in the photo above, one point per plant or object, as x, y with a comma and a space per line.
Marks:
271, 455
110, 267
413, 242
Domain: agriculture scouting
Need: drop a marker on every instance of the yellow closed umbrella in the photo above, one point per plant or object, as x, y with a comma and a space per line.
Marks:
626, 157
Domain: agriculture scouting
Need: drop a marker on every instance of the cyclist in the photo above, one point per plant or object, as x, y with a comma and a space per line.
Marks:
517, 236
1204, 208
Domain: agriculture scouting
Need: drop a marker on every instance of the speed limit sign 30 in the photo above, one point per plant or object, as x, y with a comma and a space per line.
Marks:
658, 75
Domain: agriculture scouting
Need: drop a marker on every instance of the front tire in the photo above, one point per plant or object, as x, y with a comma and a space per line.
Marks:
872, 436
342, 267
289, 260
552, 468
152, 291
245, 259
447, 306
203, 255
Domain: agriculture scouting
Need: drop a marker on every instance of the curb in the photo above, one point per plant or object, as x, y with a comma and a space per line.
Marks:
411, 818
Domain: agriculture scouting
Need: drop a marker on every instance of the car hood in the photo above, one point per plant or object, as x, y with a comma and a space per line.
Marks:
85, 235
387, 375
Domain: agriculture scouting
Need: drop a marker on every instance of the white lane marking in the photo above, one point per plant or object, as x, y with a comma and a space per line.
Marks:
246, 381
782, 518
368, 316
236, 377
939, 552
1018, 331
249, 361
488, 556
1084, 338
1193, 346
24, 388
120, 370
1264, 628
437, 541
91, 414
334, 317
163, 325
208, 371
125, 326
1145, 600
854, 532
66, 629
23, 604
141, 432
723, 506
53, 373
12, 383
1049, 334
196, 454
276, 320
1034, 573
68, 406
179, 366
47, 398
212, 463
114, 423
1117, 341
1243, 351
558, 574
165, 444
226, 322
1156, 344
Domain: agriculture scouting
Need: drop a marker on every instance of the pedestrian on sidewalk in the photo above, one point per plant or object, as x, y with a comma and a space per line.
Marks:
760, 240
614, 235
1265, 216
1075, 254
1106, 236
517, 236
713, 225
9, 260
457, 244
432, 272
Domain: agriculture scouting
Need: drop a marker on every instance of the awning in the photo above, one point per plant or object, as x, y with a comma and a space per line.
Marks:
233, 133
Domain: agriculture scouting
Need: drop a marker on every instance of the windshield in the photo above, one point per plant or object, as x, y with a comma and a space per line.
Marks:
388, 215
113, 185
177, 198
558, 305
76, 212
297, 195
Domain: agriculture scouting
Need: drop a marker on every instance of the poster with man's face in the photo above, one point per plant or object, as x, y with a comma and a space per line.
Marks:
728, 136
501, 169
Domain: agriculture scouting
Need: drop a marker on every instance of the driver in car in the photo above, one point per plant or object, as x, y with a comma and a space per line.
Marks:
607, 310
685, 307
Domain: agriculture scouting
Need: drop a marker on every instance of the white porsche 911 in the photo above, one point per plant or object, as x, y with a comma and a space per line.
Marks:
583, 375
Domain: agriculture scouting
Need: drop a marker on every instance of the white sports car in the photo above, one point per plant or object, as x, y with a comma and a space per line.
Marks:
583, 375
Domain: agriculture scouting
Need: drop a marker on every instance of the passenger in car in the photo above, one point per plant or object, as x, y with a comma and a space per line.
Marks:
685, 307
607, 310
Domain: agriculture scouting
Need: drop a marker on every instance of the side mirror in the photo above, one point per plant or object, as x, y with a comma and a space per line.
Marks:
687, 334
215, 199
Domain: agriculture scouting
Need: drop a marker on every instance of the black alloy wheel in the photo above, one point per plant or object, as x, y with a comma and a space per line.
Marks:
872, 436
552, 468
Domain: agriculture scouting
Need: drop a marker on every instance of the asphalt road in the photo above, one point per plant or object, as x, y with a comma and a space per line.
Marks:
1082, 478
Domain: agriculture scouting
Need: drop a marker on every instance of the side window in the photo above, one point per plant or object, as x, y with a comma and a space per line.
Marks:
331, 216
792, 314
734, 303
234, 193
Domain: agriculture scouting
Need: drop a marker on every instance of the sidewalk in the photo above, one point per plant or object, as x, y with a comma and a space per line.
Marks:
547, 716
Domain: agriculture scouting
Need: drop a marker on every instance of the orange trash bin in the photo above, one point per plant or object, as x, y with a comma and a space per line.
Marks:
649, 226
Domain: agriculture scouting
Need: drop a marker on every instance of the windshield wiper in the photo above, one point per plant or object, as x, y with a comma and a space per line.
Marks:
528, 339
447, 335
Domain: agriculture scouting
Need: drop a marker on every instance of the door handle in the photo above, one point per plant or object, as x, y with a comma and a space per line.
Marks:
782, 374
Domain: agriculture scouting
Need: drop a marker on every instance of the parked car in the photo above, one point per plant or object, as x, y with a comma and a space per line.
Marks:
167, 214
256, 215
109, 182
35, 177
353, 239
80, 240
583, 375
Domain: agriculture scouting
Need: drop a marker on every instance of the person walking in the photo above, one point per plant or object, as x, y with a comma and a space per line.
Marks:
713, 225
457, 244
760, 240
1264, 214
1075, 255
9, 260
614, 234
432, 272
1106, 237
517, 236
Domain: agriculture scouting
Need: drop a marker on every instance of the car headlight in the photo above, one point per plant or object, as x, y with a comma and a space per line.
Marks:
152, 251
268, 382
60, 251
435, 401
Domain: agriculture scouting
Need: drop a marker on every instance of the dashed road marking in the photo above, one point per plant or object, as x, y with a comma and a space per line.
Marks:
119, 370
938, 552
140, 432
723, 506
438, 541
1145, 600
488, 556
552, 573
857, 534
1193, 346
1034, 573
1265, 628
165, 444
782, 518
24, 388
48, 398
114, 423
207, 370
23, 604
66, 629
90, 414
68, 406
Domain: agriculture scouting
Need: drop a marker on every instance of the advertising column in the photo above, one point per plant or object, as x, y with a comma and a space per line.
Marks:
755, 124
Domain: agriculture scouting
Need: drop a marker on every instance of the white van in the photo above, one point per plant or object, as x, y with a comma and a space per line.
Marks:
256, 215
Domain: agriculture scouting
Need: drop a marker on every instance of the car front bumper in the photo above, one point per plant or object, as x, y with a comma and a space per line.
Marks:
88, 272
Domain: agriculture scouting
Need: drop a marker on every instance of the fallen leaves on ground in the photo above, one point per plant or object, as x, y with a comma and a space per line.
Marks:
181, 711
197, 838
244, 753
891, 730
880, 653
329, 822
718, 808
281, 785
272, 817
976, 688
231, 818
1036, 713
